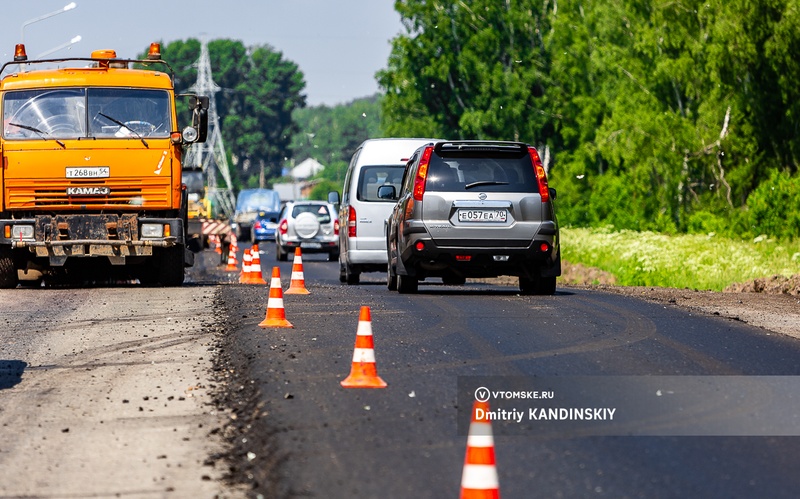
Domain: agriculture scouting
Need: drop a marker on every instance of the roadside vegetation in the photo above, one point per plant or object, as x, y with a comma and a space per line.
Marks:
695, 261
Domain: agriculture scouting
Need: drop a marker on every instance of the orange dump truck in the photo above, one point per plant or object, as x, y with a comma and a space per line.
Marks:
90, 187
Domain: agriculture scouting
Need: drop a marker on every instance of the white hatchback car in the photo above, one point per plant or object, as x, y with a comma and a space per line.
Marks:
362, 214
309, 225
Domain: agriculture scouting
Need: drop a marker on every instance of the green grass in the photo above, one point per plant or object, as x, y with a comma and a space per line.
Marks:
682, 261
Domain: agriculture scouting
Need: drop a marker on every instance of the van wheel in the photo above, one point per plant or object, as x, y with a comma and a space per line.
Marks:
342, 273
407, 284
352, 277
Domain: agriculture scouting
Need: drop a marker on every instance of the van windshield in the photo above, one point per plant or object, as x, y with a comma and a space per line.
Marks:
373, 177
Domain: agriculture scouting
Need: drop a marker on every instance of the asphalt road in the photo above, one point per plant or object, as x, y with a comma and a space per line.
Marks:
306, 436
148, 392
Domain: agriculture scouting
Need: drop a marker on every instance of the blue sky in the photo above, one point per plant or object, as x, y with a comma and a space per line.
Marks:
338, 44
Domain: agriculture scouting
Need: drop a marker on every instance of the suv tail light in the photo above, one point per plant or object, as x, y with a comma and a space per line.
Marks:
283, 227
336, 227
351, 222
541, 176
257, 224
422, 173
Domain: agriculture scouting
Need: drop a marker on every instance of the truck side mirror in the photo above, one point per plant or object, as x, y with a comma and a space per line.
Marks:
198, 131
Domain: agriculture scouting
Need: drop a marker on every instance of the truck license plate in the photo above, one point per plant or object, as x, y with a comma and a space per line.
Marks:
499, 216
88, 172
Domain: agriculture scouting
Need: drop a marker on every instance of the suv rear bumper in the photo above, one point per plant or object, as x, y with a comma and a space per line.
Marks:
480, 261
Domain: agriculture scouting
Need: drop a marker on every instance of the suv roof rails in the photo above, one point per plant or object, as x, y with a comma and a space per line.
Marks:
480, 145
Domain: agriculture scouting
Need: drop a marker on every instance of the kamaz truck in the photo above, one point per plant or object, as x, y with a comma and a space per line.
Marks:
90, 187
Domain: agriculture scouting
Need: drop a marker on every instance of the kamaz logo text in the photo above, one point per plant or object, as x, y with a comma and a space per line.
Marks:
88, 191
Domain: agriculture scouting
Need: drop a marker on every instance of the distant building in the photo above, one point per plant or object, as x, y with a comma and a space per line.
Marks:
306, 169
301, 187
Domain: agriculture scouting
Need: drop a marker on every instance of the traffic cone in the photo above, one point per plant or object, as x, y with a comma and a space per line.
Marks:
298, 284
244, 277
217, 244
231, 267
234, 246
276, 315
479, 478
255, 267
364, 373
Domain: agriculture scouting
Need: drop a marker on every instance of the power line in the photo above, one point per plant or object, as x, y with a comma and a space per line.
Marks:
210, 155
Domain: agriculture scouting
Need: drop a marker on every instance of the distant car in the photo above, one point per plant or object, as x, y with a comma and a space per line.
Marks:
248, 203
264, 226
362, 214
311, 226
473, 209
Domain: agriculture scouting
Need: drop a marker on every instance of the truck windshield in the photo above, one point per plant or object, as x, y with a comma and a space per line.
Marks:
71, 113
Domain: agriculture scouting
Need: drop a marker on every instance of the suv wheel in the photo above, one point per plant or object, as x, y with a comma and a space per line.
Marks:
539, 286
280, 255
391, 278
454, 280
407, 284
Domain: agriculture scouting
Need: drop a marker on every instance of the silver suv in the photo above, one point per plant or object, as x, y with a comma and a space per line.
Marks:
473, 209
308, 225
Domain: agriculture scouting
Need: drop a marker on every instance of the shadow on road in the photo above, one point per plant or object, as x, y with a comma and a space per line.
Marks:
11, 372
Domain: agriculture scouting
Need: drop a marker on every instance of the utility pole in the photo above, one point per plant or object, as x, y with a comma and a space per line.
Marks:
210, 155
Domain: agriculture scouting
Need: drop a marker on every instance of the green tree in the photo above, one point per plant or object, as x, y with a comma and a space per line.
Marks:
331, 134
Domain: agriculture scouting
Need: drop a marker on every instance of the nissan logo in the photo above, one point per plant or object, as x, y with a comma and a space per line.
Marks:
482, 196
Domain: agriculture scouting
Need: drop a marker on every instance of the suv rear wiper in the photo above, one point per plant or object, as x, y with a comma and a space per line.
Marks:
484, 182
43, 135
118, 122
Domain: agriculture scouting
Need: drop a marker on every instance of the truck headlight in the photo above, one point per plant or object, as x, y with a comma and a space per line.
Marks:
152, 230
19, 232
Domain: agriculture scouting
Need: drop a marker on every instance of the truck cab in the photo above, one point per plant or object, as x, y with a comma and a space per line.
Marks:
91, 178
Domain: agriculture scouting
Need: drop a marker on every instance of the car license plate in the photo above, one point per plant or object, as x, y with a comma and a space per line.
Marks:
90, 172
311, 245
499, 216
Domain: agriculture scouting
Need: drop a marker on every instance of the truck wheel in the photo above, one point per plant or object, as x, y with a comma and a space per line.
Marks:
170, 266
8, 273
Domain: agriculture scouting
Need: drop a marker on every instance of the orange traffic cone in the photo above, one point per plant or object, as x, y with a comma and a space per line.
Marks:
298, 284
217, 244
234, 246
232, 266
479, 478
255, 267
244, 277
364, 373
276, 315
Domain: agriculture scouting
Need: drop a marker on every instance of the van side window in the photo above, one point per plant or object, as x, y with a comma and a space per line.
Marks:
373, 177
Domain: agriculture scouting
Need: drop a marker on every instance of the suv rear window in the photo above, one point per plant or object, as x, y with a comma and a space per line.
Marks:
320, 211
501, 172
373, 177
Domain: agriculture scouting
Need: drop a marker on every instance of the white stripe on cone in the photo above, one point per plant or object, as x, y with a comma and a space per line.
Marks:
364, 355
479, 476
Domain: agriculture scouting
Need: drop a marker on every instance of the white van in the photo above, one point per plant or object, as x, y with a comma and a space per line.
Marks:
362, 215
